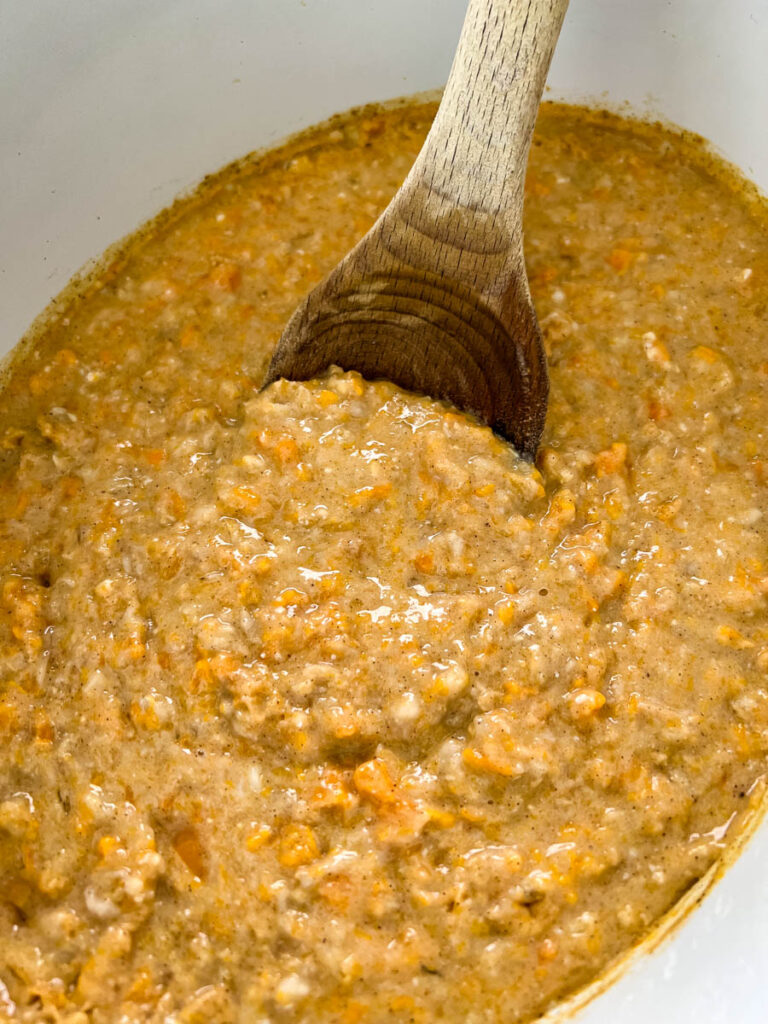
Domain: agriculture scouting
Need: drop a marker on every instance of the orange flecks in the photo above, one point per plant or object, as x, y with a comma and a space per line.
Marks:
402, 1003
43, 729
248, 592
612, 460
534, 187
18, 892
425, 561
66, 357
245, 498
337, 890
154, 456
143, 987
655, 350
286, 451
70, 487
258, 837
367, 495
144, 715
561, 511
223, 665
584, 702
547, 950
107, 845
515, 691
190, 337
326, 398
8, 717
373, 780
621, 260
187, 845
355, 1013
441, 818
203, 675
332, 790
507, 612
667, 510
22, 504
482, 762
485, 490
730, 637
298, 846
543, 275
226, 277
657, 410
291, 596
705, 354
39, 383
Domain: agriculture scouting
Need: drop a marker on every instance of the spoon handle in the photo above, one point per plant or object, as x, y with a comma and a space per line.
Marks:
470, 174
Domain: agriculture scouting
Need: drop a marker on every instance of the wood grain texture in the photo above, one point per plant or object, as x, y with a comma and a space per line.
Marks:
435, 297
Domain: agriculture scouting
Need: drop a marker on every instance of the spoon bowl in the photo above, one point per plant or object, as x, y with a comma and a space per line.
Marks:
435, 297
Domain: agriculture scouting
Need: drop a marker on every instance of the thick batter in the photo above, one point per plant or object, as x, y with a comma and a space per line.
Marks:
319, 705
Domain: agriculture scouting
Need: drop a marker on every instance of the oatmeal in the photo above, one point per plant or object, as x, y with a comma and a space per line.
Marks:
318, 703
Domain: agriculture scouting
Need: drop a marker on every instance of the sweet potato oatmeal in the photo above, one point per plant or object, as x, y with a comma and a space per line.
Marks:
319, 704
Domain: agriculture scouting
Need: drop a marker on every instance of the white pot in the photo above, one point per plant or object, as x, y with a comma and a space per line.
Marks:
110, 108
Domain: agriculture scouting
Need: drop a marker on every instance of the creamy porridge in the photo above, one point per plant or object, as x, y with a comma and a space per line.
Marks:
319, 704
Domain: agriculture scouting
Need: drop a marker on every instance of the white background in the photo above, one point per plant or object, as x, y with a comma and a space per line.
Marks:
110, 108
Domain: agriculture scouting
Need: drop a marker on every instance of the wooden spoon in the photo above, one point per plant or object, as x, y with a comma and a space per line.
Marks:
435, 297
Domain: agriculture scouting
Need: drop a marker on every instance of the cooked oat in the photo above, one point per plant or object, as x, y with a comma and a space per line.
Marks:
319, 704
